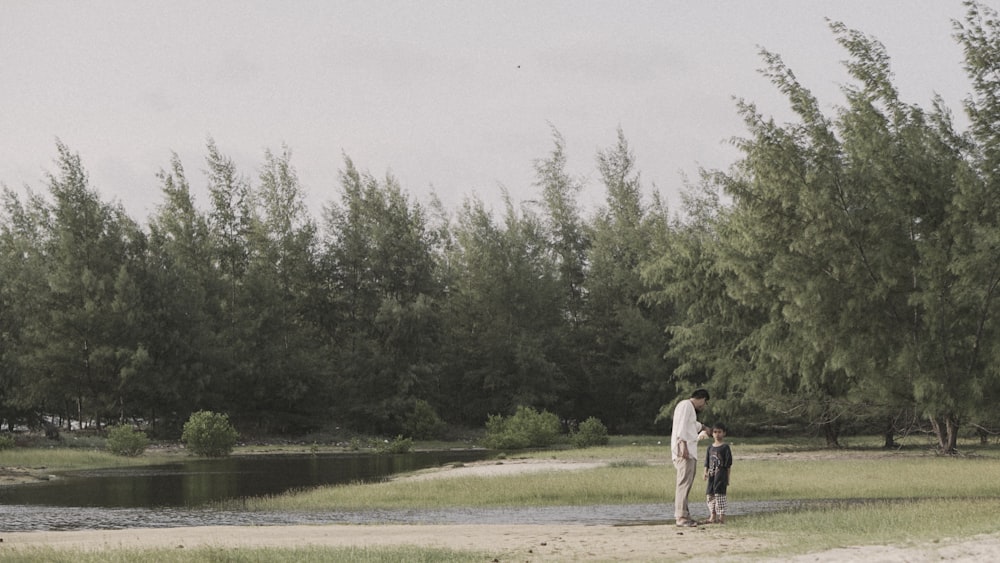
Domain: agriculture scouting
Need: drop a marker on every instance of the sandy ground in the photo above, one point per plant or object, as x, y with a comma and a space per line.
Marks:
505, 542
662, 542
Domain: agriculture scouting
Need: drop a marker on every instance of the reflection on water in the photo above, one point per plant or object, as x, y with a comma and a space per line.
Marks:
196, 482
174, 495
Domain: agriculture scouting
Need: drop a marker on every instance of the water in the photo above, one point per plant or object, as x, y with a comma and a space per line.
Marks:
196, 482
172, 494
176, 494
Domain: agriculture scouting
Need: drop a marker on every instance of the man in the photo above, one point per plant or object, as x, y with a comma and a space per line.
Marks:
684, 451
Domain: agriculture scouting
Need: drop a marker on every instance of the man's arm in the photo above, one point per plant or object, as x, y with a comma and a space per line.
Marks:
686, 426
682, 449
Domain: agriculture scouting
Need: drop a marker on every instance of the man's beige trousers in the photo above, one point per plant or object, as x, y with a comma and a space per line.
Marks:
685, 479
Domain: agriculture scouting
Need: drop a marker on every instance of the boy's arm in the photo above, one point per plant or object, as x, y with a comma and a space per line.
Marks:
729, 465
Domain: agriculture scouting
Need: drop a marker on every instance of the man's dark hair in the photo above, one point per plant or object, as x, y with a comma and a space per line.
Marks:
700, 394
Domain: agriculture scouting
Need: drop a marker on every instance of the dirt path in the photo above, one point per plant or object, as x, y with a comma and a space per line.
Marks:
504, 542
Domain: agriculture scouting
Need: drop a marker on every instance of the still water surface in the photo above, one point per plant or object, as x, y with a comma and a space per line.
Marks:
175, 495
197, 482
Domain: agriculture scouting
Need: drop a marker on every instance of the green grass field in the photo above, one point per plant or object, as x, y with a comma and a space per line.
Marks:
854, 496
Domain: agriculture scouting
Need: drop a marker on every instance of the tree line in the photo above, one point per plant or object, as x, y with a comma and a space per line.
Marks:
843, 273
385, 312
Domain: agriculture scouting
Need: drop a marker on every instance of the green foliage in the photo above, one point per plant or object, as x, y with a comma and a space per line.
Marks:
623, 352
398, 445
423, 423
209, 434
126, 441
526, 428
591, 432
380, 255
6, 442
845, 263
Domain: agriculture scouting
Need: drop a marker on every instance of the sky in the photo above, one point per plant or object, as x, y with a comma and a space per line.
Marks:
455, 98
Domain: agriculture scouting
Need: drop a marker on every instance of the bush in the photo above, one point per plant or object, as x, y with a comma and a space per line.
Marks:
591, 432
423, 423
126, 441
7, 443
398, 445
209, 434
526, 428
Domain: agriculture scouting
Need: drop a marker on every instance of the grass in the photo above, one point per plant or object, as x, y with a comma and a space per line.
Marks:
248, 555
869, 523
642, 474
609, 485
66, 459
910, 495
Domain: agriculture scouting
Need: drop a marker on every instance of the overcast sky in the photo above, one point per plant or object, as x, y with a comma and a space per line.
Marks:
455, 97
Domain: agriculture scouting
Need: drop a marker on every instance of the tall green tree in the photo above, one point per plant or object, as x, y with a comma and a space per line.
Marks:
282, 284
627, 375
856, 235
567, 243
231, 220
380, 264
83, 351
184, 297
504, 314
22, 273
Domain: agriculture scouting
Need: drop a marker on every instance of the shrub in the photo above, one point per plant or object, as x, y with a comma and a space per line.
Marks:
526, 428
398, 445
591, 432
7, 442
209, 434
126, 441
423, 423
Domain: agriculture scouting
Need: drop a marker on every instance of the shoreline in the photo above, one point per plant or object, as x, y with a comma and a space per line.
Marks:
659, 541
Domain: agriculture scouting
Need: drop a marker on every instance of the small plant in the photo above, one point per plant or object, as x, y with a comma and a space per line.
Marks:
398, 445
126, 441
209, 434
626, 463
591, 432
526, 428
423, 422
7, 443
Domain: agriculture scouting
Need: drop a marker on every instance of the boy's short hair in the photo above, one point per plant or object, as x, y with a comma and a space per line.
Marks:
720, 426
700, 394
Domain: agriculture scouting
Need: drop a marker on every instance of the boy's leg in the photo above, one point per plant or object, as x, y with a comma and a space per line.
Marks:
720, 507
710, 501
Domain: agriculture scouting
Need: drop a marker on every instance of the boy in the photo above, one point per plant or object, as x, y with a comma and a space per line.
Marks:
718, 462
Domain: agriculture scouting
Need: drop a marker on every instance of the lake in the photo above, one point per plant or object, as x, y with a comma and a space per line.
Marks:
199, 481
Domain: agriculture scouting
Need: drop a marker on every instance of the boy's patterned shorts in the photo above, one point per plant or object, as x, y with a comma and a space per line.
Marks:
717, 504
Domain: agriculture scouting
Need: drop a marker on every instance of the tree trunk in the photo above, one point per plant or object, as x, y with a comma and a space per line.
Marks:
890, 435
946, 429
952, 435
831, 430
